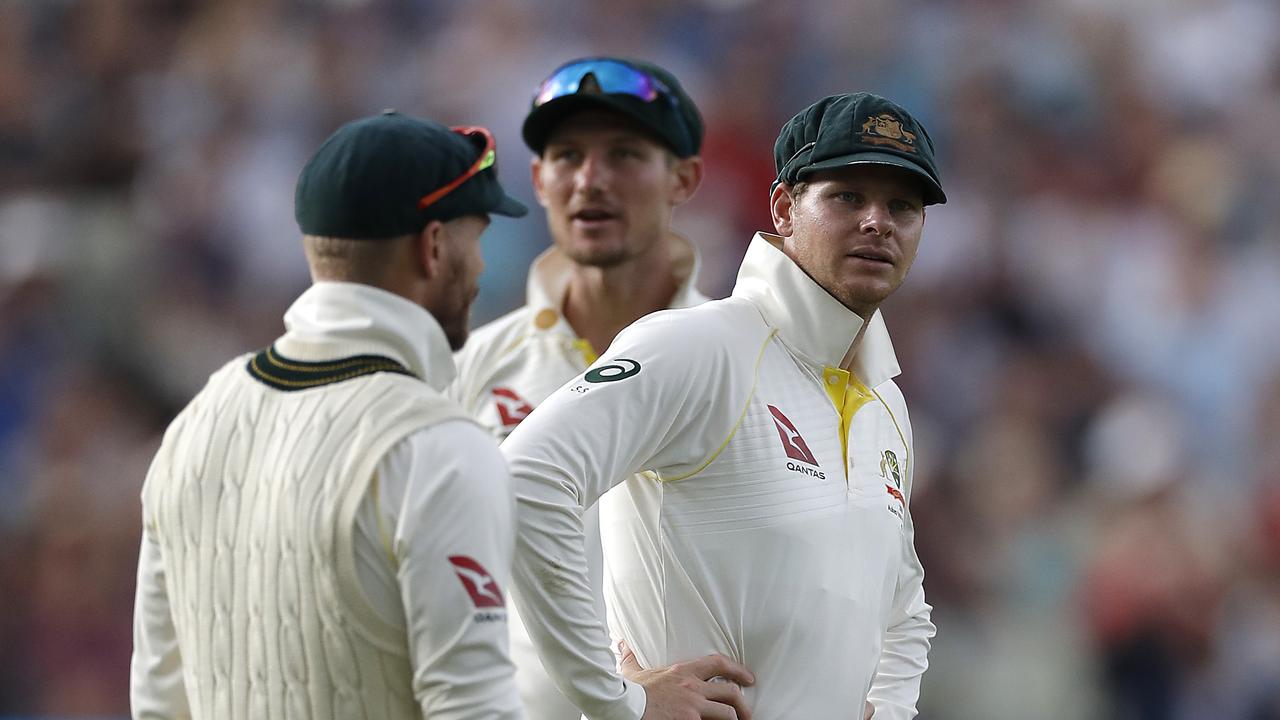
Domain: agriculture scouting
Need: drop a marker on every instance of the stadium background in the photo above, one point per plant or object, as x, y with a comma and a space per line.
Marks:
1090, 337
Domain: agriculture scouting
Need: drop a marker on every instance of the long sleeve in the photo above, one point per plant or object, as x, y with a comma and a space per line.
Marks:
156, 690
639, 407
905, 655
449, 513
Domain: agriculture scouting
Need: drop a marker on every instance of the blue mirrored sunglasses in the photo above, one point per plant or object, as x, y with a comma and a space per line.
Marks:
610, 75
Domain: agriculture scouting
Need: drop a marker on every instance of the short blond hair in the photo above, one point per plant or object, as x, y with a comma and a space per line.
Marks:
351, 260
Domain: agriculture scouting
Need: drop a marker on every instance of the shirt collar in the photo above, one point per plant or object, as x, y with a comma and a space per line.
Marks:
549, 280
816, 326
339, 319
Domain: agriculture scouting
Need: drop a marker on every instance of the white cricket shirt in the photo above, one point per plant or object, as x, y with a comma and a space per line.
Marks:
771, 524
506, 369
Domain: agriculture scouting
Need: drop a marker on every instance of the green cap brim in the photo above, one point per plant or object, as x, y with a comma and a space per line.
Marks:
933, 194
510, 207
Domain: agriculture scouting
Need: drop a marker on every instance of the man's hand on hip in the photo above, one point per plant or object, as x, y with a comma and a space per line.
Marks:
686, 691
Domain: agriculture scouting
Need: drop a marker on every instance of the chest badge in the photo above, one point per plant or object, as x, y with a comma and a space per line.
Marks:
511, 407
794, 445
892, 474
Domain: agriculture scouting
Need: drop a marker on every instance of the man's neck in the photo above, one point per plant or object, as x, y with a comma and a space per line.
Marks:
600, 302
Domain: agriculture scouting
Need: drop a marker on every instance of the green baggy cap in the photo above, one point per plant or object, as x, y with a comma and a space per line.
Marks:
853, 129
370, 178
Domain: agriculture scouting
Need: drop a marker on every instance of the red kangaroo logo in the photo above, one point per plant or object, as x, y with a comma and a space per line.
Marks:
479, 584
791, 440
511, 407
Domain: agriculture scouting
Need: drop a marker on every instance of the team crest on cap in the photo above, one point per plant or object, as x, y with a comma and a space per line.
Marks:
885, 129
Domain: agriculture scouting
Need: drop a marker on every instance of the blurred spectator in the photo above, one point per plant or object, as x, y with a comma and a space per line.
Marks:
1155, 579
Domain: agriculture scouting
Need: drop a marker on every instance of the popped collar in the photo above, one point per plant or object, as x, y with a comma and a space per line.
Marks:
815, 326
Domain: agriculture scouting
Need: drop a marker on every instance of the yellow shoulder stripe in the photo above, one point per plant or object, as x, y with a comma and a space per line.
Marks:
734, 430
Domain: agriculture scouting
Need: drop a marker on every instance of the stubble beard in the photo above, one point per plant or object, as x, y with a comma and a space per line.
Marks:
457, 326
455, 316
599, 257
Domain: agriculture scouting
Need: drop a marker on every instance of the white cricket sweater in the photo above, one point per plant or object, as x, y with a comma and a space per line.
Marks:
322, 543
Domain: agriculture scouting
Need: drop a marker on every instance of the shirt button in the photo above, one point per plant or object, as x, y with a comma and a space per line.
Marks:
545, 318
832, 379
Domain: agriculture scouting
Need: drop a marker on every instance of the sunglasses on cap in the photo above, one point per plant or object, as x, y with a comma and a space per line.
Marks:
486, 160
611, 76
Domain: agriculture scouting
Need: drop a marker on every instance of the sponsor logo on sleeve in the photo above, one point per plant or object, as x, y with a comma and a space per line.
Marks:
615, 370
477, 581
511, 407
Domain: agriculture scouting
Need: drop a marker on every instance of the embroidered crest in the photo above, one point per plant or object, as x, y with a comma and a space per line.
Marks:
889, 469
885, 129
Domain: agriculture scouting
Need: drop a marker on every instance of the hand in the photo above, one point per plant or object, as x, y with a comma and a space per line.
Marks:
871, 710
685, 691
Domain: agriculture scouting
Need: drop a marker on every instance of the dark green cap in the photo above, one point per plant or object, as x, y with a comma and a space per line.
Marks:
373, 177
854, 129
671, 117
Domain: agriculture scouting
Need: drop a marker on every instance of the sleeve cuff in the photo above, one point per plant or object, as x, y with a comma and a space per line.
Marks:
628, 707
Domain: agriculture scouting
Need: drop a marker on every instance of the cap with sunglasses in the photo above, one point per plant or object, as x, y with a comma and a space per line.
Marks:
390, 174
636, 89
856, 129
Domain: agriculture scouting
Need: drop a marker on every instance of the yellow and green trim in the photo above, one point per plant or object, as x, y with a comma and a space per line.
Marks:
285, 374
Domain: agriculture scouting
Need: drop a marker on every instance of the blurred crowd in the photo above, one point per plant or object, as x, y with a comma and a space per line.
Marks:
1090, 337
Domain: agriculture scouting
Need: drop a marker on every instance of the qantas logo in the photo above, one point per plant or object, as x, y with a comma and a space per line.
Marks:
795, 446
791, 440
511, 407
477, 581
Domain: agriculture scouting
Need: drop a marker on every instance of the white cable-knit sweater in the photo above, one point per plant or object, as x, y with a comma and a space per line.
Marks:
321, 543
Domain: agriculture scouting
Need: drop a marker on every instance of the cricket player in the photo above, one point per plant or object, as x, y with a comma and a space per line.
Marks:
771, 521
615, 145
325, 534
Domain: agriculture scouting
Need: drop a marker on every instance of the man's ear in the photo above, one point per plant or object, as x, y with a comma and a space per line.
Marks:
781, 205
688, 175
429, 249
535, 172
